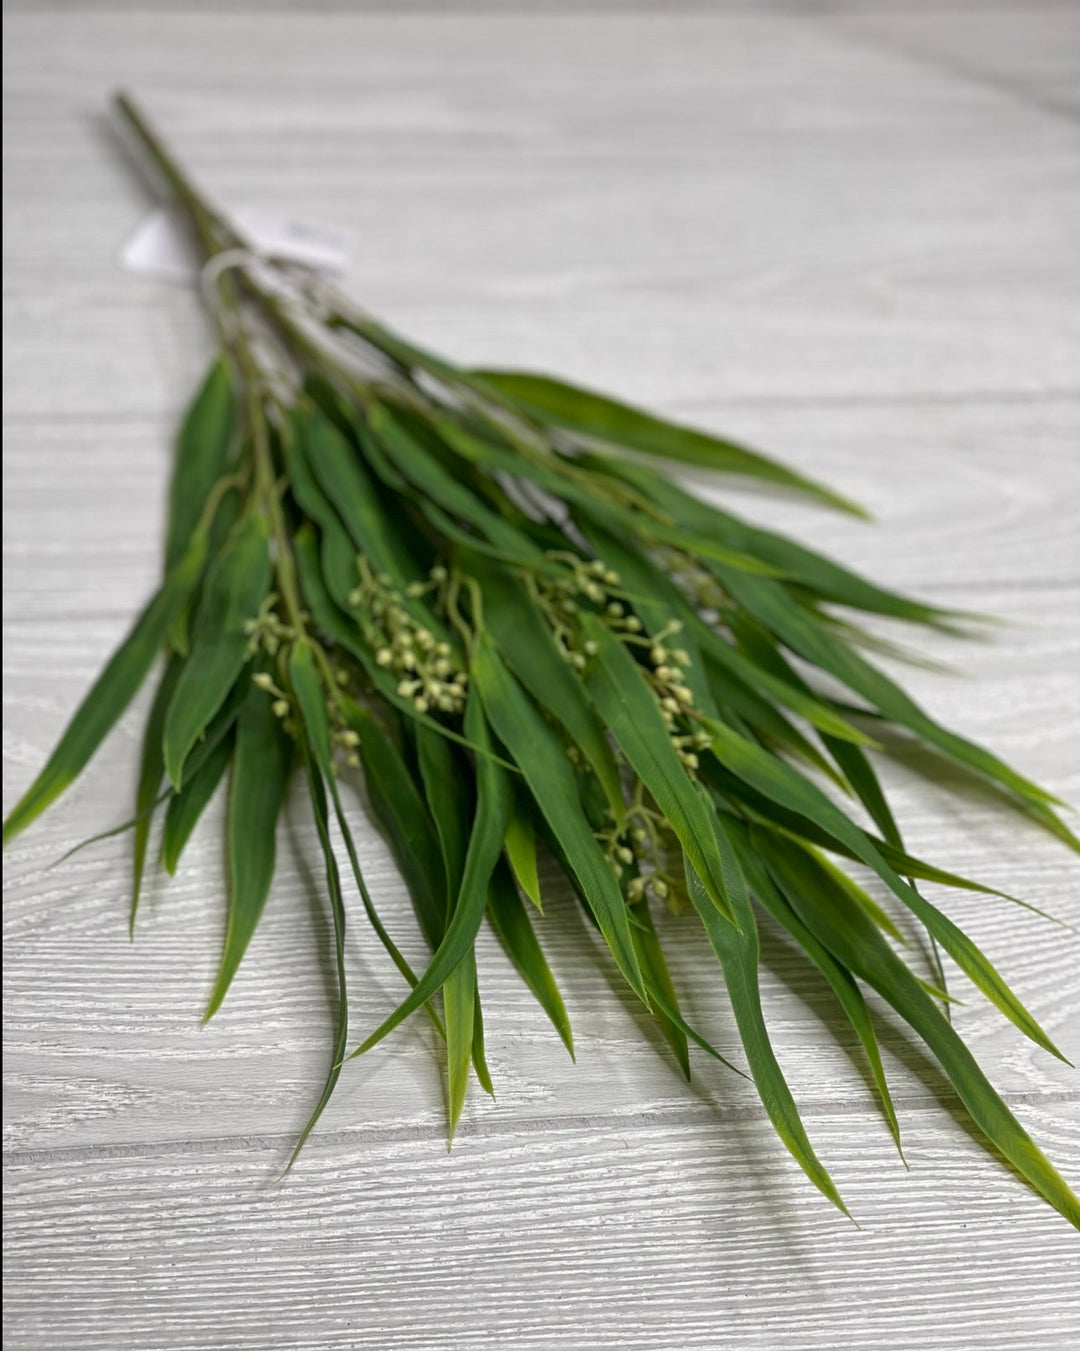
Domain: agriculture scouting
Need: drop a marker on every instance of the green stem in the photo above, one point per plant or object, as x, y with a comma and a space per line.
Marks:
215, 236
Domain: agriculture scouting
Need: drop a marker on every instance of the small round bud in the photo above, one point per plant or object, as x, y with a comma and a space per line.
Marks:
263, 680
280, 707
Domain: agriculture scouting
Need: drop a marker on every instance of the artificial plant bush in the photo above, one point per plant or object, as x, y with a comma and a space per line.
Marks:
478, 590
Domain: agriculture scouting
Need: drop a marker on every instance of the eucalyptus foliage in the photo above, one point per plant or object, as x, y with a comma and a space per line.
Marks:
479, 589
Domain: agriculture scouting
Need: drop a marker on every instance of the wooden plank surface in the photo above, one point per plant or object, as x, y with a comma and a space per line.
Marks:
821, 235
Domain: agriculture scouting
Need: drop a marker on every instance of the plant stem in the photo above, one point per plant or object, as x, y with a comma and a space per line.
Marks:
214, 236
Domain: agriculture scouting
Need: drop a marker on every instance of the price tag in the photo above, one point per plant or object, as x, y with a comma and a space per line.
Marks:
162, 246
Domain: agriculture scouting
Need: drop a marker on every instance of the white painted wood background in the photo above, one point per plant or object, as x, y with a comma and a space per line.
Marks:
849, 235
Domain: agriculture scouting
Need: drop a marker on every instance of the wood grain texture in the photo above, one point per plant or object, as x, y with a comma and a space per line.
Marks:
976, 493
816, 234
603, 1235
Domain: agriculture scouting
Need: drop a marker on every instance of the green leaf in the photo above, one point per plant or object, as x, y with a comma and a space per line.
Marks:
812, 572
310, 696
333, 620
315, 752
520, 848
433, 480
236, 585
839, 978
790, 789
403, 815
604, 419
738, 952
841, 926
630, 710
811, 640
510, 920
260, 777
654, 968
791, 695
202, 453
554, 477
542, 758
112, 691
743, 705
341, 475
454, 953
151, 771
337, 906
443, 787
189, 803
447, 796
656, 600
523, 636
653, 596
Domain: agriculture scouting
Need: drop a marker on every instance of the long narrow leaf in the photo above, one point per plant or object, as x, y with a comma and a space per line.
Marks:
842, 927
260, 775
738, 951
112, 691
543, 762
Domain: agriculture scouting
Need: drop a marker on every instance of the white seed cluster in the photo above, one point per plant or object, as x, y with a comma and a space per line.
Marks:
675, 697
645, 882
560, 599
343, 736
266, 630
265, 681
424, 663
640, 846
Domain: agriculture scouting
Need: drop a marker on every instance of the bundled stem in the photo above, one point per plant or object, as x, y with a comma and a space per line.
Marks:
478, 588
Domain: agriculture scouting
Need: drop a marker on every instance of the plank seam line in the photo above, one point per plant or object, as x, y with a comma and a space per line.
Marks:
1015, 89
505, 1129
156, 418
1025, 585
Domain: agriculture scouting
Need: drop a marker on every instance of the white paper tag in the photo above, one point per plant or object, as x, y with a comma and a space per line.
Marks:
161, 247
